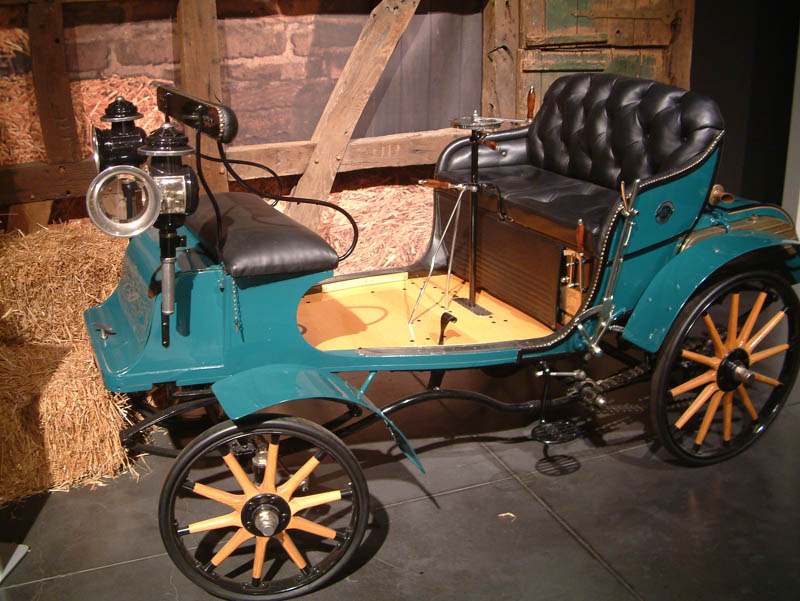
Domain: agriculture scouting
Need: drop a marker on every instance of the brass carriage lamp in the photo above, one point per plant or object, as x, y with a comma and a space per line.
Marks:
142, 183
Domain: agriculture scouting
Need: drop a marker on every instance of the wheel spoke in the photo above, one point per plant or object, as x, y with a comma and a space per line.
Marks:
748, 404
258, 558
763, 332
719, 347
298, 523
286, 490
226, 498
240, 536
696, 404
300, 503
702, 359
727, 415
221, 521
766, 379
747, 329
292, 550
214, 532
241, 477
767, 353
705, 378
709, 416
268, 483
733, 321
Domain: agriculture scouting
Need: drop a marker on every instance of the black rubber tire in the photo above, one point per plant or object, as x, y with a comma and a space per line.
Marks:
690, 332
201, 461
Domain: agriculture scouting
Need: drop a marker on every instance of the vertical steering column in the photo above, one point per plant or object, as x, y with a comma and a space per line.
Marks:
178, 192
169, 241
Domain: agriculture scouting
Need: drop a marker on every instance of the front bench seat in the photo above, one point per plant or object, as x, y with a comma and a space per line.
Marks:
257, 239
592, 132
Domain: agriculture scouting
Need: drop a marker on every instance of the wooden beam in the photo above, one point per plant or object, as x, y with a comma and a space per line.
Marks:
372, 51
31, 182
198, 50
500, 44
51, 83
53, 101
24, 2
396, 150
680, 50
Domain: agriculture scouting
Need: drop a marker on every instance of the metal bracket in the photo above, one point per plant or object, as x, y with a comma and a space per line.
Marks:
104, 330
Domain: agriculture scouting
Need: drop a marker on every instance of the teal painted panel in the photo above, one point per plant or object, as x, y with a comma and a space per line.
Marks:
686, 197
269, 385
674, 285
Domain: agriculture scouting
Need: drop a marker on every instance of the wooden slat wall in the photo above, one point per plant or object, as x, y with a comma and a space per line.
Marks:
500, 44
372, 51
433, 75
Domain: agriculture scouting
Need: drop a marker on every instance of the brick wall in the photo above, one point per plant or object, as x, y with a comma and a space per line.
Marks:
280, 60
277, 70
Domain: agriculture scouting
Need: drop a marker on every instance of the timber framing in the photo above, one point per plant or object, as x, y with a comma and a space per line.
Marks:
360, 75
512, 49
33, 182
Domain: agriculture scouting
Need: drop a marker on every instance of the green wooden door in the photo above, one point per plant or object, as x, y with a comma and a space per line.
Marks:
641, 38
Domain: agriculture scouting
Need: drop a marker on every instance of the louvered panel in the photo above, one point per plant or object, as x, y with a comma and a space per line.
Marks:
514, 264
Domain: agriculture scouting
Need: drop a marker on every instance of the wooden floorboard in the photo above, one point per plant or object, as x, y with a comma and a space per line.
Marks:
376, 315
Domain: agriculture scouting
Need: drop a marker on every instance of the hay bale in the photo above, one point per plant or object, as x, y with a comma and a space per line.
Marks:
91, 96
48, 278
394, 224
59, 426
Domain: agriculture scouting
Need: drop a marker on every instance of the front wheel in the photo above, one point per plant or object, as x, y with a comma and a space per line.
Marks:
726, 367
265, 509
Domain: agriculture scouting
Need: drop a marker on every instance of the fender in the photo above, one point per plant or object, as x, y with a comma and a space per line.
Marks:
674, 285
265, 386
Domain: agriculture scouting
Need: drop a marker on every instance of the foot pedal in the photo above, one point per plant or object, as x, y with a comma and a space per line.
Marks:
556, 432
476, 309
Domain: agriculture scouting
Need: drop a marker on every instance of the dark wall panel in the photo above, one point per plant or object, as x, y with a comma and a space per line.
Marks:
434, 74
744, 57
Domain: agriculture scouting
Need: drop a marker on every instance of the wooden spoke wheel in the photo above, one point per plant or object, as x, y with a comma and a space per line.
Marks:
726, 367
266, 509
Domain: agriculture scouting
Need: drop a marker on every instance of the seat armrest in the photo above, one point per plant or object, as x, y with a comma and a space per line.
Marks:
457, 154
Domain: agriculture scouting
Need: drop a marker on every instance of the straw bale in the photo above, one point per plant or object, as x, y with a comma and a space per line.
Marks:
91, 96
394, 225
21, 139
59, 426
48, 278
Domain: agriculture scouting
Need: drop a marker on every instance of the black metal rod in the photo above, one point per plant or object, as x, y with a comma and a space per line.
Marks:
546, 403
474, 140
434, 395
159, 417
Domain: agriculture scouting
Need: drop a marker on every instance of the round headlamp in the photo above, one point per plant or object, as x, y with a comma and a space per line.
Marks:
123, 201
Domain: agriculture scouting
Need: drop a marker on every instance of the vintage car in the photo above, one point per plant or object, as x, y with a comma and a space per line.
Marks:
594, 228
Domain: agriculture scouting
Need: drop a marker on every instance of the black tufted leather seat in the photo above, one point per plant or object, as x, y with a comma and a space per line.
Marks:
592, 132
258, 239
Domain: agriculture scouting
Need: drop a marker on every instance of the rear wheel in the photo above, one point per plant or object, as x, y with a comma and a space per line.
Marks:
263, 509
726, 367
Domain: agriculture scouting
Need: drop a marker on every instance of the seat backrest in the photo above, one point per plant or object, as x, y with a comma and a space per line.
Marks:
606, 128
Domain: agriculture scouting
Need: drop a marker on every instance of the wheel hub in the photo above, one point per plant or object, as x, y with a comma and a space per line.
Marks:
734, 370
266, 515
